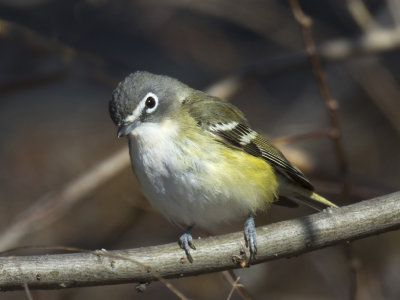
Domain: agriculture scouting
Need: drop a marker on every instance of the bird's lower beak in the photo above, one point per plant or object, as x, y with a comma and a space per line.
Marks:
124, 130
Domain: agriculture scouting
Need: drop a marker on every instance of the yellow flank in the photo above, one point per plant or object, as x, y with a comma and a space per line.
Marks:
246, 178
228, 173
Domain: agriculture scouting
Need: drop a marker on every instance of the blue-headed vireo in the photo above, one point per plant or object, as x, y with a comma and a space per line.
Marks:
197, 159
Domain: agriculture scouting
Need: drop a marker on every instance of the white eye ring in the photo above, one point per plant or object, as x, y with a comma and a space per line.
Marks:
150, 102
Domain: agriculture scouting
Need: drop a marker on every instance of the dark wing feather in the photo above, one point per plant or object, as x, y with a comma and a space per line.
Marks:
229, 125
272, 154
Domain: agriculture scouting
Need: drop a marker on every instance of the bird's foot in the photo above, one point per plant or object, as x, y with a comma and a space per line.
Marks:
186, 242
250, 237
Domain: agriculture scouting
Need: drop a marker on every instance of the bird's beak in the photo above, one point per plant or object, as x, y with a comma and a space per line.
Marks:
124, 130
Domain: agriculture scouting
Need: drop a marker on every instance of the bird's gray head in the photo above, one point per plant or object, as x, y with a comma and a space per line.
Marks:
145, 97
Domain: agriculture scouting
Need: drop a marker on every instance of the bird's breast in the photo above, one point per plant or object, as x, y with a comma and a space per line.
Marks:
195, 180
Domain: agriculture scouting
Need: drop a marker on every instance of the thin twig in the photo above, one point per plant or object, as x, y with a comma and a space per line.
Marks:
230, 277
50, 207
377, 80
361, 14
290, 139
66, 53
235, 285
305, 23
380, 85
394, 8
374, 42
27, 292
279, 240
39, 79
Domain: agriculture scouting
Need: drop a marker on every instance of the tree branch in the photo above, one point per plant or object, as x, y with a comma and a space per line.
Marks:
284, 239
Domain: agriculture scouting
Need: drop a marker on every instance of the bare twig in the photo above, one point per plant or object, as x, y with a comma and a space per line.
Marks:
226, 87
11, 30
378, 81
381, 86
27, 292
305, 23
231, 278
66, 53
374, 42
394, 8
289, 139
331, 104
46, 78
235, 285
48, 208
284, 239
361, 14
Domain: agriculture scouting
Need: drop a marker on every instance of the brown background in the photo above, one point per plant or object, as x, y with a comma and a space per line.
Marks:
60, 60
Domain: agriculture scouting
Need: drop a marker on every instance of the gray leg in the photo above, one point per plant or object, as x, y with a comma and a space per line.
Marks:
250, 236
186, 242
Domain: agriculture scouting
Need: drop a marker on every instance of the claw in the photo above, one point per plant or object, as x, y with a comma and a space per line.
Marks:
186, 242
250, 237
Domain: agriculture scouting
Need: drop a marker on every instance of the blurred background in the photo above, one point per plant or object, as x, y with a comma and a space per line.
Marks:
65, 178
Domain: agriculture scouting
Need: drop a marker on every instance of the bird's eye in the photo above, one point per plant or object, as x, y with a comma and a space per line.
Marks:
150, 102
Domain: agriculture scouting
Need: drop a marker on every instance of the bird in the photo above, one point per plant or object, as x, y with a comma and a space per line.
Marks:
198, 161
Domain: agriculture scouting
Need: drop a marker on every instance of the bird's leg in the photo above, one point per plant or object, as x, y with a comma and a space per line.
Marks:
186, 242
250, 236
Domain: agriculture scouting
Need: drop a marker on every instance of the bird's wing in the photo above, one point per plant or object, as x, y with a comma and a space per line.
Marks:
228, 124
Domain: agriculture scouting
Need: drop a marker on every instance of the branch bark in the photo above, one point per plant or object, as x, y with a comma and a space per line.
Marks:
283, 239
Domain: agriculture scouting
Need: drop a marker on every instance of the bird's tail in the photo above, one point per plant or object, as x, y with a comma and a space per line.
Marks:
318, 198
300, 194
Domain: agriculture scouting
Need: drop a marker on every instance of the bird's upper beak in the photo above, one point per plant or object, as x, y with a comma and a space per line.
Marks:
124, 130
